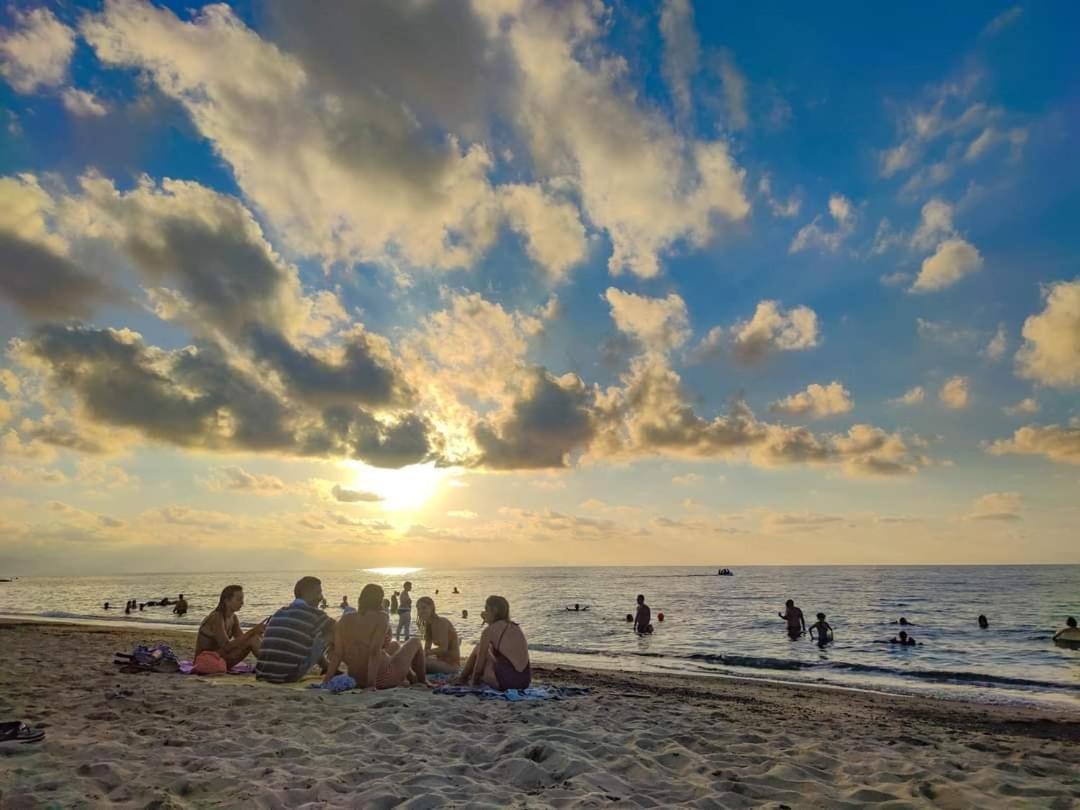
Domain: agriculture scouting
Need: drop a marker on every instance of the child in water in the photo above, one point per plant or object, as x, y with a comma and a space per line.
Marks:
824, 631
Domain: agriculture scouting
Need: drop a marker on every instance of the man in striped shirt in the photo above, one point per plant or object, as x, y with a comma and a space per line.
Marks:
296, 636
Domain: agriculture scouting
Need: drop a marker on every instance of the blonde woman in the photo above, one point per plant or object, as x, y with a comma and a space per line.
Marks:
501, 657
438, 632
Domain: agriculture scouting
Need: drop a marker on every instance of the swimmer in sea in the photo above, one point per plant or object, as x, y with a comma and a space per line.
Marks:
824, 631
904, 639
577, 608
796, 624
984, 623
1069, 628
904, 622
643, 618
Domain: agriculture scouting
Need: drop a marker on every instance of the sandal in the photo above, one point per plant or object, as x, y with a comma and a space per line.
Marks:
16, 732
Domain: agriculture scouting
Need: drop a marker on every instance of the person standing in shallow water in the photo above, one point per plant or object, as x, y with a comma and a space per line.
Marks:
643, 617
404, 612
796, 624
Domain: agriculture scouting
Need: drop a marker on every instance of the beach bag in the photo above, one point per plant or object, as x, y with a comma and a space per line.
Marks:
209, 663
159, 658
505, 674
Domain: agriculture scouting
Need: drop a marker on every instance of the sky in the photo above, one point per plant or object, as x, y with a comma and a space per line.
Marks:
503, 282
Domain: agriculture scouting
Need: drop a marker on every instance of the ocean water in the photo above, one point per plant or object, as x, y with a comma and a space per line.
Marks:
713, 625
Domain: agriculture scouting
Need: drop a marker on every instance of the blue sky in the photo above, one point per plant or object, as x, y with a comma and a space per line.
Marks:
518, 283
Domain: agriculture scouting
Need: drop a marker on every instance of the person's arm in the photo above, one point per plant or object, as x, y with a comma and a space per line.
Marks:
334, 660
375, 650
1057, 635
812, 631
481, 656
215, 628
802, 621
830, 632
440, 638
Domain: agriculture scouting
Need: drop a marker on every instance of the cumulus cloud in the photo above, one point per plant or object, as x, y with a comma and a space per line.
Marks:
639, 179
1050, 354
547, 420
554, 235
1054, 442
394, 169
815, 235
659, 324
935, 225
1005, 506
687, 480
1027, 405
37, 52
955, 394
817, 401
954, 259
37, 274
913, 396
237, 479
83, 104
772, 329
195, 398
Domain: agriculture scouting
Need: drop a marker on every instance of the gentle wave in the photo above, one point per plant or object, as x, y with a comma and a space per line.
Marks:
786, 665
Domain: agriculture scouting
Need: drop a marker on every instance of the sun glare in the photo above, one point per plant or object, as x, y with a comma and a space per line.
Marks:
391, 571
407, 489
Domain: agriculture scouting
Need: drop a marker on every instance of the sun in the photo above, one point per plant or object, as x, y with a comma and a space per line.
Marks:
407, 489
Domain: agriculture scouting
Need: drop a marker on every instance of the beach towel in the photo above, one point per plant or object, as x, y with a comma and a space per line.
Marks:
243, 668
337, 684
515, 695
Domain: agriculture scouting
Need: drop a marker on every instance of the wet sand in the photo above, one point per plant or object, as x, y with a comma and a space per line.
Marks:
174, 741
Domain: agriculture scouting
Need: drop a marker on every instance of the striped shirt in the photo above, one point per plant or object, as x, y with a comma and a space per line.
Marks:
288, 641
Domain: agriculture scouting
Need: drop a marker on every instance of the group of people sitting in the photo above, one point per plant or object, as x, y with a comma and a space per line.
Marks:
300, 636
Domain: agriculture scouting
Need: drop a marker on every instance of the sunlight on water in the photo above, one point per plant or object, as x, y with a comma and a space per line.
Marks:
391, 571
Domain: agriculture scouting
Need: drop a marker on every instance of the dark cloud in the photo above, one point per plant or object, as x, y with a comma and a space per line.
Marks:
549, 420
195, 398
360, 377
45, 284
359, 53
354, 495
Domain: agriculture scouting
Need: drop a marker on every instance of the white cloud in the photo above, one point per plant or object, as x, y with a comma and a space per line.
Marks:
913, 396
555, 237
83, 104
935, 225
797, 522
682, 50
734, 84
997, 506
237, 479
955, 394
37, 53
990, 137
814, 235
954, 259
774, 330
780, 208
659, 324
1051, 351
995, 349
1027, 405
1054, 442
639, 179
817, 401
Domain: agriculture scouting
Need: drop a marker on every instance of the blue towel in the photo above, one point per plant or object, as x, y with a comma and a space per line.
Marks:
514, 695
339, 683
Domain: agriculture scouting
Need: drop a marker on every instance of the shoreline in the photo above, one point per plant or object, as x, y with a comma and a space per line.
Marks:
638, 739
1049, 699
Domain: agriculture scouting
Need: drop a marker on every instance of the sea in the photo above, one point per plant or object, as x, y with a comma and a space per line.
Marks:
712, 625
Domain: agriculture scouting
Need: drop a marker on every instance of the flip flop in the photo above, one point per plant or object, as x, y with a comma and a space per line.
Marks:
16, 732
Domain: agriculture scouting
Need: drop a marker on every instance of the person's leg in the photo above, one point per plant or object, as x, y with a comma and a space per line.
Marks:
419, 662
438, 665
399, 665
467, 670
397, 630
406, 620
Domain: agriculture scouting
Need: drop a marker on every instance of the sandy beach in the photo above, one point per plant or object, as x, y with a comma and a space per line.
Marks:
172, 741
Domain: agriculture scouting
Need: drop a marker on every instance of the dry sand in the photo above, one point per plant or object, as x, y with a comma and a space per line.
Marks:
636, 741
